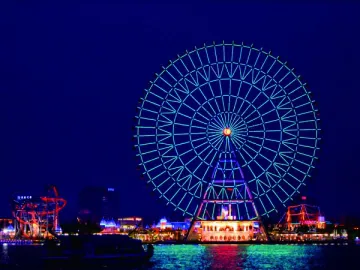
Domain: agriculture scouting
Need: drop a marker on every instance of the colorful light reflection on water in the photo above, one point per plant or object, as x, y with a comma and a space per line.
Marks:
233, 256
255, 257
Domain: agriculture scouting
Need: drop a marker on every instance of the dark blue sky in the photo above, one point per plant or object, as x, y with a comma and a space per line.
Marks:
70, 78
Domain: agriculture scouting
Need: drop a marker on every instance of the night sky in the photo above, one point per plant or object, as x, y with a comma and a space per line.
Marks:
71, 76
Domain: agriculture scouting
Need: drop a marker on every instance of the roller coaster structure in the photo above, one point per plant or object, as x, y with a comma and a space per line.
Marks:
38, 217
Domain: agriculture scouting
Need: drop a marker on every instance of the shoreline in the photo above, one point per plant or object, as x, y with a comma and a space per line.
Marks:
328, 242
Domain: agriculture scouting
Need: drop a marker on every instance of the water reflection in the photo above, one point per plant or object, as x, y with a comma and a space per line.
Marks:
4, 255
248, 257
232, 256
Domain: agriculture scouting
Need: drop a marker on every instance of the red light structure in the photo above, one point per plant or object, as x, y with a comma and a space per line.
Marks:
38, 217
304, 215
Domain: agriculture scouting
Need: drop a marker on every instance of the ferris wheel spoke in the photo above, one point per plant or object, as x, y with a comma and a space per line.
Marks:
266, 212
229, 96
263, 123
264, 157
238, 141
222, 120
261, 115
217, 122
195, 126
174, 64
151, 102
303, 95
188, 106
148, 119
248, 165
239, 132
300, 171
306, 164
287, 182
209, 104
250, 104
254, 111
217, 142
264, 138
237, 97
153, 178
302, 105
277, 196
155, 95
308, 121
236, 122
243, 100
216, 103
148, 152
147, 110
148, 135
260, 184
188, 117
262, 146
203, 116
247, 153
192, 149
246, 64
222, 96
205, 76
187, 134
187, 163
217, 72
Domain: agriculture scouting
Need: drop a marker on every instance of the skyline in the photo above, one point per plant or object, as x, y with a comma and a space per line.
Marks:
70, 88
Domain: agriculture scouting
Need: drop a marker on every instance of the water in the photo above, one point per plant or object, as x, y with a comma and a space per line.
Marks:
225, 256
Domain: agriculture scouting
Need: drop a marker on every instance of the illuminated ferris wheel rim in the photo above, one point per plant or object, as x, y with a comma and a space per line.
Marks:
193, 76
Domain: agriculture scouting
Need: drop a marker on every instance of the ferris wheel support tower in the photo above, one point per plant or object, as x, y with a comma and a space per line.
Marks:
229, 195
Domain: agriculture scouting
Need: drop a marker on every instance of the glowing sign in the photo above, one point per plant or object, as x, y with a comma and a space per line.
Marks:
24, 197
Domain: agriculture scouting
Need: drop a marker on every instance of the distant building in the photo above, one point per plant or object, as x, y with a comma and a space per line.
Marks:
130, 223
174, 225
97, 203
7, 229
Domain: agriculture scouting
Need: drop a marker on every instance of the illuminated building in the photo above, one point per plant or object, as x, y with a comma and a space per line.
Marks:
175, 225
7, 229
96, 203
304, 215
123, 225
304, 222
130, 223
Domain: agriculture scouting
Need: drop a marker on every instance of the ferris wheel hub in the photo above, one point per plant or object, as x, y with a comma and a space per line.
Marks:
227, 132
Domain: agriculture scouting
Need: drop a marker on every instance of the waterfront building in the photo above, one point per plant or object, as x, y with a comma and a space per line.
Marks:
228, 228
121, 226
304, 222
7, 229
174, 225
130, 223
304, 215
97, 203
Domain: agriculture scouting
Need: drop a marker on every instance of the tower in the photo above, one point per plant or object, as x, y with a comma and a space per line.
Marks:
233, 215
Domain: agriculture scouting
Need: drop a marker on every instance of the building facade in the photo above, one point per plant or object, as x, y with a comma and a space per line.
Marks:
229, 230
97, 203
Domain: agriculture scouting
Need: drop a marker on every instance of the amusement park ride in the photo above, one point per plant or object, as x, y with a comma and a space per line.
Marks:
226, 134
38, 217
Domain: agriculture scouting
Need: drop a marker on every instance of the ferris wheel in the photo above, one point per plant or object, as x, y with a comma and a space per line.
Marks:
227, 91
